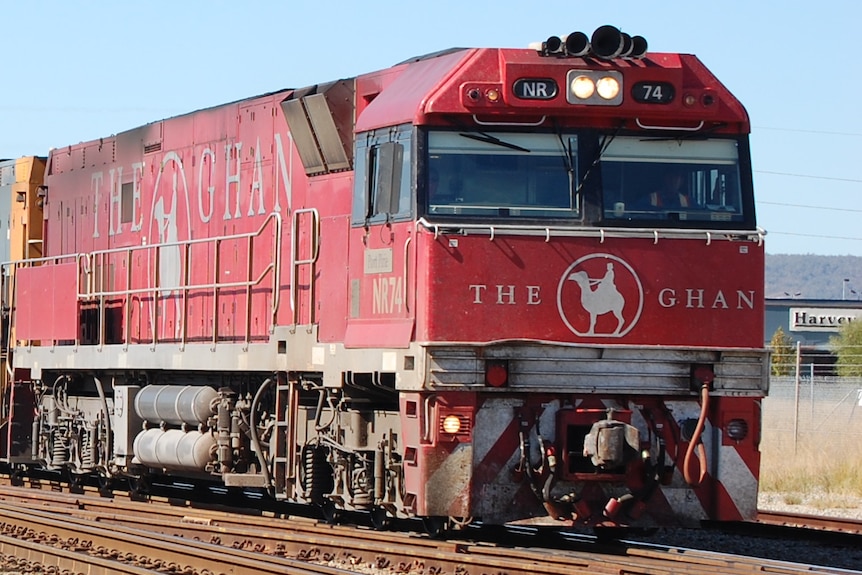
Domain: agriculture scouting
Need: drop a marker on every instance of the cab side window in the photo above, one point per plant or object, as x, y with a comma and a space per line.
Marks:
383, 178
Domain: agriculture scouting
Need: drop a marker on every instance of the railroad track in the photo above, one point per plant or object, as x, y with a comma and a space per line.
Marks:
795, 520
118, 535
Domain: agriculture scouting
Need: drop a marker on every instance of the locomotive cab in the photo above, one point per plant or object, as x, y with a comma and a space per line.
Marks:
552, 270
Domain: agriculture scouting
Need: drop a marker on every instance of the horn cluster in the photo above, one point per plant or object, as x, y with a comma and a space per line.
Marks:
607, 43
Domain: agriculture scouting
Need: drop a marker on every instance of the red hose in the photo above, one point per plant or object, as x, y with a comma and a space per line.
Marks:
695, 441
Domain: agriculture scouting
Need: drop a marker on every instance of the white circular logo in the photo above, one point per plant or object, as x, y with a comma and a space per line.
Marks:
600, 295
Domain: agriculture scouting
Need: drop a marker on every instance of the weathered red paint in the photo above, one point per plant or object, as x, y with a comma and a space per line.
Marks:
47, 302
675, 291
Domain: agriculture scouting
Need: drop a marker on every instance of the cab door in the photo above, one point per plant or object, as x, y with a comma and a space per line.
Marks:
382, 267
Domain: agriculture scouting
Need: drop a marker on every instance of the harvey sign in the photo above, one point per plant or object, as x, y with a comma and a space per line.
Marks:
822, 319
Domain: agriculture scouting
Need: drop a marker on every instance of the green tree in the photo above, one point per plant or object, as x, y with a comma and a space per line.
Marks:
848, 346
783, 354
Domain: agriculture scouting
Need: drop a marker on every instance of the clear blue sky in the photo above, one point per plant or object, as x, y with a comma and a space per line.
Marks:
75, 71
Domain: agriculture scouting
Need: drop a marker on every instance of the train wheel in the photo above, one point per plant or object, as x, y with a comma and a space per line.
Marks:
139, 488
76, 483
16, 477
106, 485
380, 518
331, 513
460, 523
436, 526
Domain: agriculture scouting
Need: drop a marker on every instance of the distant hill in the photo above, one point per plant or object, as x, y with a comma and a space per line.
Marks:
813, 277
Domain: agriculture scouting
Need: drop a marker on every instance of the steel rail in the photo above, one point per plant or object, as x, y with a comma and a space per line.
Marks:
48, 554
388, 551
820, 522
166, 554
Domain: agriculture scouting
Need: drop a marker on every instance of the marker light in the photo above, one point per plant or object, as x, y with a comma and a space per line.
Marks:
583, 87
737, 429
451, 424
608, 87
496, 373
492, 94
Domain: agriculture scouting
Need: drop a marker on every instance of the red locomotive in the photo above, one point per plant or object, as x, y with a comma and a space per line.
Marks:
502, 285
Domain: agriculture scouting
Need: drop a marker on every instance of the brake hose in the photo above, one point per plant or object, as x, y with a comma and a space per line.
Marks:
695, 441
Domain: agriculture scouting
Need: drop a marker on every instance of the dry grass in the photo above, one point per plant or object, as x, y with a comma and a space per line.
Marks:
821, 467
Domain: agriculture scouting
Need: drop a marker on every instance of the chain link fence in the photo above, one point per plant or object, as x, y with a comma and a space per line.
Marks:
812, 408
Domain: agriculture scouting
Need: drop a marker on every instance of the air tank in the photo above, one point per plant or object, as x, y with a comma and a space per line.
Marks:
175, 404
175, 449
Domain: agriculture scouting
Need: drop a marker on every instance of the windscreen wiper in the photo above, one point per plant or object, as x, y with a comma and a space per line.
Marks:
567, 153
489, 139
603, 147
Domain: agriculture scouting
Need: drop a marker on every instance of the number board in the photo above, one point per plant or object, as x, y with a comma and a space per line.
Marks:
653, 92
535, 88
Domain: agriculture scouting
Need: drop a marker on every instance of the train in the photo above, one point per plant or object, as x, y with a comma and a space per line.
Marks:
451, 290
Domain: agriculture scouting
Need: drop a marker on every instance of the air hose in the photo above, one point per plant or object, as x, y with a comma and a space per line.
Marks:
696, 443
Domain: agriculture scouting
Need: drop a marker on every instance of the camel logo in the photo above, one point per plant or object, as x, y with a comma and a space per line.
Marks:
600, 295
170, 223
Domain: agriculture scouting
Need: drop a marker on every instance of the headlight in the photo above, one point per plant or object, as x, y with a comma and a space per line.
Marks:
451, 424
583, 87
595, 87
608, 87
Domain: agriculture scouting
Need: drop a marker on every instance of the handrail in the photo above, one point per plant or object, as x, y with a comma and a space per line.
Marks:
404, 291
709, 235
276, 276
127, 312
41, 260
668, 128
212, 285
296, 261
144, 247
491, 123
93, 268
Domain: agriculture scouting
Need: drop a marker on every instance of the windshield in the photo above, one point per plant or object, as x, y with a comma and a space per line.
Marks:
505, 174
660, 179
621, 180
